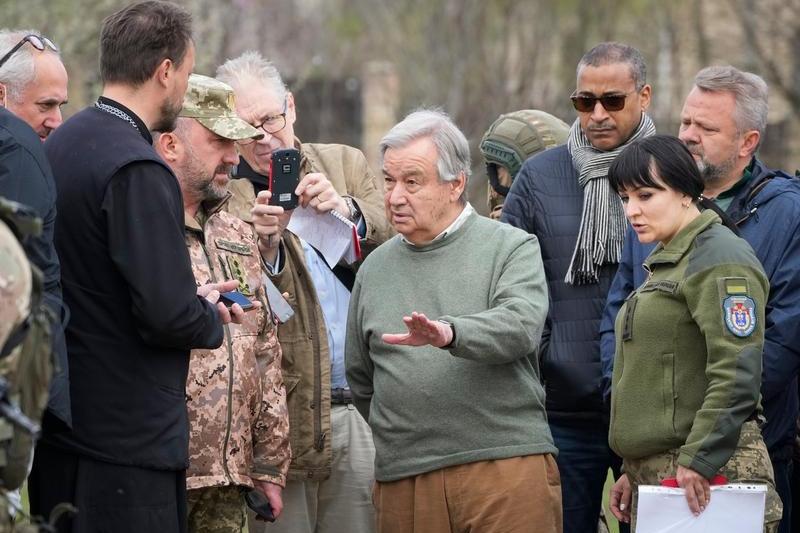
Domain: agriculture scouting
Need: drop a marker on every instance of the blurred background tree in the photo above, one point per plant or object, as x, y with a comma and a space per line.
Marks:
356, 66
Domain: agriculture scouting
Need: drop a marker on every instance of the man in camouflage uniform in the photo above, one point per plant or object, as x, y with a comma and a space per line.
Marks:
235, 394
15, 295
509, 141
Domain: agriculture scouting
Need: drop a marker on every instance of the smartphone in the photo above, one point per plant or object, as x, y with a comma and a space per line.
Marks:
277, 303
284, 175
236, 297
259, 504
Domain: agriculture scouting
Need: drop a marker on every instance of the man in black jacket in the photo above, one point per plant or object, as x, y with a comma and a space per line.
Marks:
563, 196
127, 278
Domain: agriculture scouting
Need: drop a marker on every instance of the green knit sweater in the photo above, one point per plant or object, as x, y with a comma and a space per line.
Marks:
431, 408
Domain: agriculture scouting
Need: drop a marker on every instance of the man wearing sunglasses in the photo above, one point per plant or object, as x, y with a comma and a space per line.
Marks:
563, 196
331, 472
33, 80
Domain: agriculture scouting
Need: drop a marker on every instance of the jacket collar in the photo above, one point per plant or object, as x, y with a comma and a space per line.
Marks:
204, 212
680, 243
752, 194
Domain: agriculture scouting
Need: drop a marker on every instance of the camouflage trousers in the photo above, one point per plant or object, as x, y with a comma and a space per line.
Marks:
749, 464
216, 509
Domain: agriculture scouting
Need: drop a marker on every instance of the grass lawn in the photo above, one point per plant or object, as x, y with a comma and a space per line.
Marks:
613, 526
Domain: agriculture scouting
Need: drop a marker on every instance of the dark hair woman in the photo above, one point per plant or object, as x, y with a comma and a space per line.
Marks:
687, 370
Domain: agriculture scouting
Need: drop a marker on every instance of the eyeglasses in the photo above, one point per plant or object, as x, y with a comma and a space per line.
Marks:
271, 124
37, 41
610, 102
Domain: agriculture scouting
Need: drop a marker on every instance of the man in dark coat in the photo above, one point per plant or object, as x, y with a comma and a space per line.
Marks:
135, 309
563, 196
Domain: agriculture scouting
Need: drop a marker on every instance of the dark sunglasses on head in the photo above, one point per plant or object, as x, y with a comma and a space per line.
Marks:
37, 41
610, 102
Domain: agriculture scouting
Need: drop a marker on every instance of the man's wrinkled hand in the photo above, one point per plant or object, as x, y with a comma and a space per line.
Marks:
421, 331
316, 191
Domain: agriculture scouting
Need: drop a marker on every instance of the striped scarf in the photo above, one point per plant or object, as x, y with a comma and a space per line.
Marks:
602, 229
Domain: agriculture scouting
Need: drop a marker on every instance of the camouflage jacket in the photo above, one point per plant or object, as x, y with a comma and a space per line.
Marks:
235, 394
306, 362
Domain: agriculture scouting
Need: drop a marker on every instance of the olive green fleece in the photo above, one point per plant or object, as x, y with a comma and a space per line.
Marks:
430, 408
681, 378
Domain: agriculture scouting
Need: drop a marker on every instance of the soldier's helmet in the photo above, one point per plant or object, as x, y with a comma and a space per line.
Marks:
516, 136
212, 104
15, 283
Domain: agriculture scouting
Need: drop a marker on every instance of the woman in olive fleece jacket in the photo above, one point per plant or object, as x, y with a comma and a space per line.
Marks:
687, 370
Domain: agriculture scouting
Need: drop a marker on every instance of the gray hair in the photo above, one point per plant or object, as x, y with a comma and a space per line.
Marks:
749, 91
251, 67
451, 146
20, 68
611, 53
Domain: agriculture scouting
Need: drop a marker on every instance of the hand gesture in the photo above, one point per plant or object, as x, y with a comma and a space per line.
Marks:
421, 331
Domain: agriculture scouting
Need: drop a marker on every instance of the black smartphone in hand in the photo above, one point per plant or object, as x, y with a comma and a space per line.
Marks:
284, 175
259, 504
236, 297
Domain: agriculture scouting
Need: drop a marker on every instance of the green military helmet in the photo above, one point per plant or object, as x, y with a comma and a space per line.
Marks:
212, 104
516, 136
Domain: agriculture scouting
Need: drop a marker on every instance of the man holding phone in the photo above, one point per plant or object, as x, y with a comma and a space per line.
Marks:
332, 453
239, 436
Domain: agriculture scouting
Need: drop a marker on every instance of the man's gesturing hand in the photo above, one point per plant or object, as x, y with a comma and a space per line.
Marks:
316, 191
421, 331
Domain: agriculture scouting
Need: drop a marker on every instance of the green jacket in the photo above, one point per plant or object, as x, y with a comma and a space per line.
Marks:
687, 369
306, 362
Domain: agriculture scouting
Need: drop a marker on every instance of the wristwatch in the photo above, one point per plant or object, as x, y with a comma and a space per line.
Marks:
453, 330
355, 212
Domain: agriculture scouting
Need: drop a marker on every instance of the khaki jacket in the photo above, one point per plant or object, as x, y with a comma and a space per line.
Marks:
306, 361
234, 394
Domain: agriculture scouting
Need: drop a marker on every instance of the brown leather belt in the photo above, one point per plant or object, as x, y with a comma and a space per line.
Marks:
341, 396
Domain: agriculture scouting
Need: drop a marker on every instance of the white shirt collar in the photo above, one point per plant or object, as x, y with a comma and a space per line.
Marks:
457, 223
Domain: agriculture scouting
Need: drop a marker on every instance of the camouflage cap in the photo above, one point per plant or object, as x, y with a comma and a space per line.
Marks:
15, 283
515, 136
213, 105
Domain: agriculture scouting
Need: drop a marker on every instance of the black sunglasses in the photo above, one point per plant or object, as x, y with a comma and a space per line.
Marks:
610, 102
37, 41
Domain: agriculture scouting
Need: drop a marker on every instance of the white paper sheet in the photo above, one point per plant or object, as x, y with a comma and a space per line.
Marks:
333, 235
735, 508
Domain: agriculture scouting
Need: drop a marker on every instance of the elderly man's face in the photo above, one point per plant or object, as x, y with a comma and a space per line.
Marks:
260, 106
605, 129
417, 204
40, 102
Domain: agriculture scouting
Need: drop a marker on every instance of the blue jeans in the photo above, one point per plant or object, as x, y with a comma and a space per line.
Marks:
583, 462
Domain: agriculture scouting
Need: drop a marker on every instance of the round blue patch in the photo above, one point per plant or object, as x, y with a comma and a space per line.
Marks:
740, 315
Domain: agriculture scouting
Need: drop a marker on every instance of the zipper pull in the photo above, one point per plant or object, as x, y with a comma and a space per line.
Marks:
320, 444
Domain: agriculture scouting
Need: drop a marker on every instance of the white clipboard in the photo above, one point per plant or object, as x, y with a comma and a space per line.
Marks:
733, 507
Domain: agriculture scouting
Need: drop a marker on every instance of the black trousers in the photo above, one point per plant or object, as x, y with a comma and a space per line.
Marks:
110, 498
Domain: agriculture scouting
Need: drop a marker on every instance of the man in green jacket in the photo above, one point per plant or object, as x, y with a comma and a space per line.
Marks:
332, 453
455, 403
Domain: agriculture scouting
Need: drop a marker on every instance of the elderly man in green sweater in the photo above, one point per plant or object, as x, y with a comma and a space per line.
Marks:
454, 401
